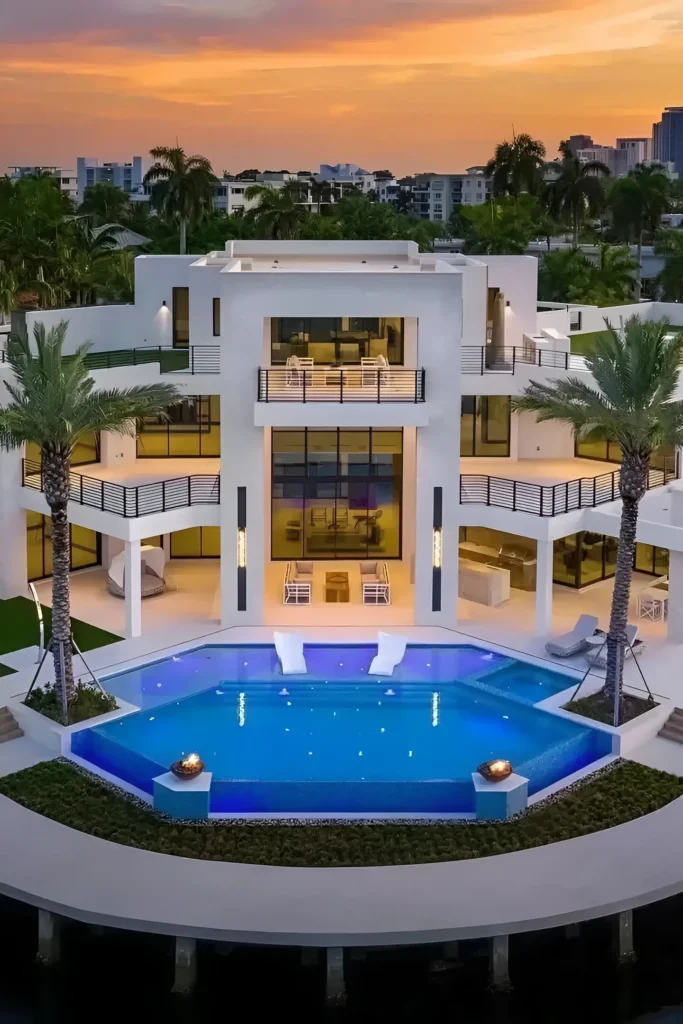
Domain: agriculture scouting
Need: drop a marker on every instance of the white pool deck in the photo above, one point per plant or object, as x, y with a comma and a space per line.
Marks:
88, 879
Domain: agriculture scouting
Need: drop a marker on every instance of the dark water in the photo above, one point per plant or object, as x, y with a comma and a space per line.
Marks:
126, 977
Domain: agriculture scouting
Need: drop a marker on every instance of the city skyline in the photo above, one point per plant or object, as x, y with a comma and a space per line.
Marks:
293, 83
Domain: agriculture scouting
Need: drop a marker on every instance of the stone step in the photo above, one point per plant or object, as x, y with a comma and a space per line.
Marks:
676, 716
667, 733
15, 733
7, 724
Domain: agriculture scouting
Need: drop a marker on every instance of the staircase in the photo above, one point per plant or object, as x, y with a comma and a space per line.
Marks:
672, 728
9, 730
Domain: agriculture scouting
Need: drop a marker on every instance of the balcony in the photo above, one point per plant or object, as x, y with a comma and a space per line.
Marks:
195, 359
395, 384
546, 499
483, 360
133, 501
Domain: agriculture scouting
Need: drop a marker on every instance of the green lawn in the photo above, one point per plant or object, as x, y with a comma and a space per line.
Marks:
581, 343
19, 628
82, 801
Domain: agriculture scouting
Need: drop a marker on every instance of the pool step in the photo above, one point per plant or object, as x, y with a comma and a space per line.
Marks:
9, 730
673, 727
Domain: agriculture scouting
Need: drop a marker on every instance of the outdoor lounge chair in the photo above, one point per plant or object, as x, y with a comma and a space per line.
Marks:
633, 646
390, 652
575, 641
290, 651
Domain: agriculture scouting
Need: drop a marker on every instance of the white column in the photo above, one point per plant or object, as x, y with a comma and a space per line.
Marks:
624, 937
674, 626
133, 588
437, 465
185, 977
335, 988
117, 450
544, 587
48, 938
499, 963
13, 571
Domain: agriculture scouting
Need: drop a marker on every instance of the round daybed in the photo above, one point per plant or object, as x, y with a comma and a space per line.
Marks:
153, 562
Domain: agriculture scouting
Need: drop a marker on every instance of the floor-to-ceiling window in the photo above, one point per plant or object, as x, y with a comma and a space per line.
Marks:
663, 458
192, 430
197, 542
181, 317
86, 546
587, 557
340, 340
86, 450
485, 425
336, 493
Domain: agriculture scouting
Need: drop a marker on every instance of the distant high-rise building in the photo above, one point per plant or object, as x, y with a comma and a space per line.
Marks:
128, 176
577, 142
667, 136
606, 155
64, 178
631, 152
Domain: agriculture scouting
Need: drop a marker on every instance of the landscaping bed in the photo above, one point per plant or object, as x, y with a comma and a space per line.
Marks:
89, 702
601, 708
74, 797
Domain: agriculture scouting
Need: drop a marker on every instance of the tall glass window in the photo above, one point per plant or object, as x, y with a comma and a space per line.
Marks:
197, 542
663, 458
337, 340
588, 557
181, 317
87, 450
336, 493
485, 425
192, 430
86, 546
216, 318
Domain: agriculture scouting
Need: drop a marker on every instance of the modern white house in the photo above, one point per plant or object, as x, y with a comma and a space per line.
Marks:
345, 452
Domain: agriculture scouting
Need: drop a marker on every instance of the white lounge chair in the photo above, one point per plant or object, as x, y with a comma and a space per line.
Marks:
290, 651
390, 651
575, 641
633, 646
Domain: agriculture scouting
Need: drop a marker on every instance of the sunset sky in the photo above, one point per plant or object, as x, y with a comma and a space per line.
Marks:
406, 84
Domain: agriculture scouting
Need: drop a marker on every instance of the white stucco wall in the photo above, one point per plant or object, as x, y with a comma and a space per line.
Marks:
549, 440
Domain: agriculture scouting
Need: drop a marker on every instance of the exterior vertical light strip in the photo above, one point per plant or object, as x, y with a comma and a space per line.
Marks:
437, 549
241, 549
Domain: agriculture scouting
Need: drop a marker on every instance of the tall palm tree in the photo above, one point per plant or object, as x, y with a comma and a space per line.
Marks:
637, 203
277, 210
635, 373
578, 190
321, 192
517, 166
670, 279
615, 272
53, 403
182, 186
105, 203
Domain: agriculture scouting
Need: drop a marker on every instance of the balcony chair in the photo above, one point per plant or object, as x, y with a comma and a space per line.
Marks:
298, 583
374, 578
573, 642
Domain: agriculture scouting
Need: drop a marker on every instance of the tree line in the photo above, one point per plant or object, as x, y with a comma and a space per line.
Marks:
53, 254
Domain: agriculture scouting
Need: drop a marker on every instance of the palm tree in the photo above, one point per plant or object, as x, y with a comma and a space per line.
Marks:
182, 186
615, 272
517, 166
578, 190
637, 203
670, 278
105, 203
321, 192
635, 373
53, 403
277, 210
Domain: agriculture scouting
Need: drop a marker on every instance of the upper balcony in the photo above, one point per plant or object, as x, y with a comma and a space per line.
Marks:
195, 359
367, 384
477, 359
161, 488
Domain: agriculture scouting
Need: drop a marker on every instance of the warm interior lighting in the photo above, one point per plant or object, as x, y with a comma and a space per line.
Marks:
188, 767
437, 549
496, 770
242, 547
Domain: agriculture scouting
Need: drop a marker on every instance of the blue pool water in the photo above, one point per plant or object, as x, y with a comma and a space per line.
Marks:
338, 740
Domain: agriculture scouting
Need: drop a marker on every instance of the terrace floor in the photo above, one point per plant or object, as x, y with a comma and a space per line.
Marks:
546, 472
149, 471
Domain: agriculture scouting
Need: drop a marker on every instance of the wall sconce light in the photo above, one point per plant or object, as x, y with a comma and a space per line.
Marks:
164, 303
437, 547
507, 303
241, 547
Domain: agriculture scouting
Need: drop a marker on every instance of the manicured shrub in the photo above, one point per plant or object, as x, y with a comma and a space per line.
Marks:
88, 703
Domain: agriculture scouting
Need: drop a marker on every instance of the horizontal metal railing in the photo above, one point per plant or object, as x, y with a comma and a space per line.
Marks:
545, 500
195, 359
335, 384
489, 359
132, 502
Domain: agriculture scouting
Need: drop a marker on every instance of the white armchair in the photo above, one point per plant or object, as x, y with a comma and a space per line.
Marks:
374, 577
298, 583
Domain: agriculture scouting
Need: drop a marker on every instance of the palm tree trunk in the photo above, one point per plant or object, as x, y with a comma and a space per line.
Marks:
633, 484
55, 468
183, 236
575, 226
639, 257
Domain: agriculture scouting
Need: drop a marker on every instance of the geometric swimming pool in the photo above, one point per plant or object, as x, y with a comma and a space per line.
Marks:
337, 741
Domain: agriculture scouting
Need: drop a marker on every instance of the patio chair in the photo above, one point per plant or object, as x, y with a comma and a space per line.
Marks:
575, 641
390, 651
633, 647
290, 651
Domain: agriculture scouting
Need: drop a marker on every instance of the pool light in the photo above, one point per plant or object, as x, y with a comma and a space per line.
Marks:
496, 770
188, 767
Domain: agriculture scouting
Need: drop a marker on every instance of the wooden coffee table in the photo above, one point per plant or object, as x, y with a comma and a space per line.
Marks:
336, 587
